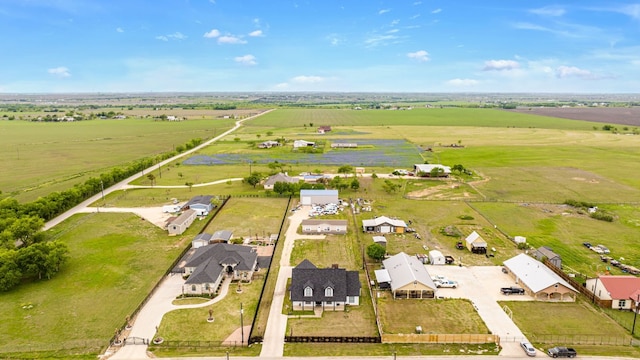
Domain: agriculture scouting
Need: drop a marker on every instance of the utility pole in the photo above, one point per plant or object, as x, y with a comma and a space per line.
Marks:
635, 314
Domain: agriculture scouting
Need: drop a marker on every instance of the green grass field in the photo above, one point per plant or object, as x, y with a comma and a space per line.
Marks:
46, 157
112, 256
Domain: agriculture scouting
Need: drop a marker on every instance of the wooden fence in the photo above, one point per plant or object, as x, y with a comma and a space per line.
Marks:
440, 338
332, 339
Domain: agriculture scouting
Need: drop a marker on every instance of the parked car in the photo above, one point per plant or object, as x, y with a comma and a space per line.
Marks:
446, 284
459, 245
587, 245
512, 290
561, 351
528, 348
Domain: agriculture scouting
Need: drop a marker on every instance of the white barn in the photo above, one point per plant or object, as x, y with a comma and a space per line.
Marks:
319, 197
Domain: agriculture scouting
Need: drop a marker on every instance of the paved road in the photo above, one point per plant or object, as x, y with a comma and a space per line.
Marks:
124, 183
273, 342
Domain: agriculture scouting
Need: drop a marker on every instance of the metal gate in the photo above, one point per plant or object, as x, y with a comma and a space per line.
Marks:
136, 341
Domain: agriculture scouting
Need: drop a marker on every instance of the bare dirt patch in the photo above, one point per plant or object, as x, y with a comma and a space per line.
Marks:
622, 116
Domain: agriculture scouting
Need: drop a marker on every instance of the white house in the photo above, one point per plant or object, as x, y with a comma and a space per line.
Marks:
409, 279
303, 143
623, 291
177, 226
324, 226
329, 289
384, 225
427, 168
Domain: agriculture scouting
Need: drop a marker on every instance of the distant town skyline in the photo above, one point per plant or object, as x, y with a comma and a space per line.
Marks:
63, 46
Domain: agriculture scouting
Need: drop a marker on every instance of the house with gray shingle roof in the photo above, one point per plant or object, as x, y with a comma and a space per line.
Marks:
208, 265
331, 289
280, 177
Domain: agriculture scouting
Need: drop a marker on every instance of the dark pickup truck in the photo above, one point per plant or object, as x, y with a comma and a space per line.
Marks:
561, 351
512, 290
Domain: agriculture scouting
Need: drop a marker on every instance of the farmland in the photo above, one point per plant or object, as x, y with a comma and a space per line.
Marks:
523, 168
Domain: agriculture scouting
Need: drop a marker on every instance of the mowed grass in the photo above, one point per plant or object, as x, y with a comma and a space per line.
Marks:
453, 316
250, 217
112, 256
387, 350
46, 157
335, 249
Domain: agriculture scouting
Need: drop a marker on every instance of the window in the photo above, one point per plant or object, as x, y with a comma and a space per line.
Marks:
308, 291
622, 303
207, 287
328, 291
193, 288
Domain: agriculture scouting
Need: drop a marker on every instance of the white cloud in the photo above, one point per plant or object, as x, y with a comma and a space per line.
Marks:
393, 31
256, 33
246, 60
380, 40
572, 71
214, 33
383, 11
417, 3
230, 39
500, 65
177, 36
436, 11
420, 55
120, 30
303, 79
60, 71
212, 1
414, 16
554, 11
462, 82
162, 37
335, 39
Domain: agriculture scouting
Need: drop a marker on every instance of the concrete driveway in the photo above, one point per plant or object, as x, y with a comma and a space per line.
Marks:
481, 285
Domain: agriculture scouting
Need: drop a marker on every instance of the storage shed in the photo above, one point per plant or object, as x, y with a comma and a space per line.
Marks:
436, 258
476, 244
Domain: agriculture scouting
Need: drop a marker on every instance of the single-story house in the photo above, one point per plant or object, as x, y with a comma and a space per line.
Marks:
201, 204
380, 240
207, 266
621, 290
546, 252
409, 278
384, 225
319, 197
324, 129
427, 168
324, 226
344, 145
476, 244
303, 143
436, 258
180, 224
268, 144
280, 177
329, 288
538, 280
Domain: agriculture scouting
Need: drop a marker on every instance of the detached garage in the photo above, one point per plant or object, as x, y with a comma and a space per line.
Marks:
319, 197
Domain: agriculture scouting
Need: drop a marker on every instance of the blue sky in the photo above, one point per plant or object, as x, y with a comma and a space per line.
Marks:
338, 46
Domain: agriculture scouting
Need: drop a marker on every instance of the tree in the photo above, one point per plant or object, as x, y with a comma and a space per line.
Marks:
376, 251
10, 274
436, 172
26, 230
189, 184
345, 169
151, 178
374, 176
282, 187
253, 179
355, 184
390, 187
458, 168
269, 133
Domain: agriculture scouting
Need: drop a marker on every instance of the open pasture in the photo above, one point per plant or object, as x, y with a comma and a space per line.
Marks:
112, 256
250, 217
414, 117
46, 157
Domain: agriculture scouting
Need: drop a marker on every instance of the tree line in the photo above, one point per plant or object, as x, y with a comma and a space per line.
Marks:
25, 253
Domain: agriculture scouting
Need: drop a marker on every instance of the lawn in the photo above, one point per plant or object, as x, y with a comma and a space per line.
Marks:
112, 256
388, 350
453, 316
335, 249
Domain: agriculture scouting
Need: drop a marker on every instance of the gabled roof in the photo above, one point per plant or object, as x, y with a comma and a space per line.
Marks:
199, 199
475, 238
323, 221
621, 286
379, 239
280, 177
404, 269
547, 252
534, 274
211, 260
308, 192
203, 237
222, 235
384, 220
306, 274
184, 217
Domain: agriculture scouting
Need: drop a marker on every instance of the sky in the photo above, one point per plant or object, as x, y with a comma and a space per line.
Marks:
503, 46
